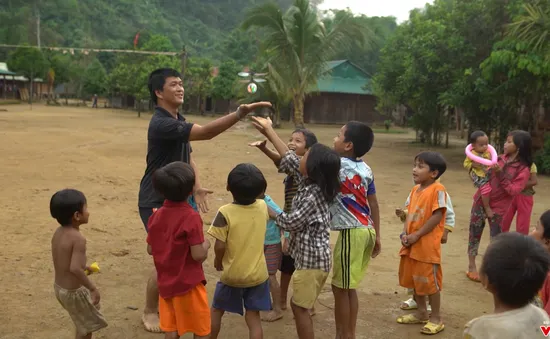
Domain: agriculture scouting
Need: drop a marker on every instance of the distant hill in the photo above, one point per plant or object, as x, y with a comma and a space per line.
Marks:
205, 27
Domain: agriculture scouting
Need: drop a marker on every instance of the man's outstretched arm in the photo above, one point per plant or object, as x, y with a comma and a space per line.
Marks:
216, 127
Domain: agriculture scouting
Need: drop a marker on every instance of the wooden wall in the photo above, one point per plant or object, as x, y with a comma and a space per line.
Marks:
339, 108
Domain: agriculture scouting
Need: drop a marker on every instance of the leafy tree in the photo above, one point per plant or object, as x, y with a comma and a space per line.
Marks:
199, 79
30, 62
223, 86
95, 79
533, 25
298, 42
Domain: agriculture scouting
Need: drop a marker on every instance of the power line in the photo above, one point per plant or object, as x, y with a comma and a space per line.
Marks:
87, 50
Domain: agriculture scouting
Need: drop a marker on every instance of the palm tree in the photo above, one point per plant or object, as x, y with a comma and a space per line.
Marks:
298, 45
533, 26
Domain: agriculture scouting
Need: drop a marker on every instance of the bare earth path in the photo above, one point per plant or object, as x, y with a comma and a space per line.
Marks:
102, 153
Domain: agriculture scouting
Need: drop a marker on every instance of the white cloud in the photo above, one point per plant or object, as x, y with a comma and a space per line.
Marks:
397, 8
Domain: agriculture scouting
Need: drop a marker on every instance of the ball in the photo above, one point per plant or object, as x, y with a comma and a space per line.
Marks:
252, 88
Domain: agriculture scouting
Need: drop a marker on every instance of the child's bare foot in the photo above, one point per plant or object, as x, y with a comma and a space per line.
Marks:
283, 304
271, 316
151, 322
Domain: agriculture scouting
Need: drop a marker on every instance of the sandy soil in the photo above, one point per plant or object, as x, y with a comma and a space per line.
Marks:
102, 153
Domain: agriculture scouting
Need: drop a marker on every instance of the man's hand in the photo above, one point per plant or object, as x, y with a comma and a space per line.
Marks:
95, 296
411, 238
218, 264
262, 124
201, 200
377, 248
258, 144
444, 237
244, 110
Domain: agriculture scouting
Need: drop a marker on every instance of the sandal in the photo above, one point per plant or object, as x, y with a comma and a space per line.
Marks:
473, 276
410, 319
410, 304
432, 328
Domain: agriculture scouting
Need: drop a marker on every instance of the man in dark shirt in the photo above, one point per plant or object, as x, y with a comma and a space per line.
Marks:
168, 140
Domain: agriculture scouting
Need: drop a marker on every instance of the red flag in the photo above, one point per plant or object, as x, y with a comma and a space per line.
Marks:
136, 39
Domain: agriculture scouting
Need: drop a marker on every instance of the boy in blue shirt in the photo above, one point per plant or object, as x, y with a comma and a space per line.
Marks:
273, 255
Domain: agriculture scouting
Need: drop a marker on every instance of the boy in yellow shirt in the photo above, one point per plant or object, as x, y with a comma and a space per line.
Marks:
239, 229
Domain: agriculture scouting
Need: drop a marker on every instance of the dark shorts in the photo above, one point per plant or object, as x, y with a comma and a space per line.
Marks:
146, 212
287, 265
232, 299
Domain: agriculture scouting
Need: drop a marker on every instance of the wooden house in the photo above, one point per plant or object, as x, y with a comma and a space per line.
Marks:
341, 95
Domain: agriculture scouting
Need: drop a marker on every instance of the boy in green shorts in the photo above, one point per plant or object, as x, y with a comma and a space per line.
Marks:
355, 215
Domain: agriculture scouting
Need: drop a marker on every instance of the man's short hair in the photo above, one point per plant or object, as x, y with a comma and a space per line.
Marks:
157, 79
515, 266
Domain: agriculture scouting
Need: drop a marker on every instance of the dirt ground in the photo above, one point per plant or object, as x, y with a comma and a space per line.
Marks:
102, 153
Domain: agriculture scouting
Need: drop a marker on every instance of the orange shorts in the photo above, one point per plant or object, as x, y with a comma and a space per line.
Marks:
424, 278
188, 313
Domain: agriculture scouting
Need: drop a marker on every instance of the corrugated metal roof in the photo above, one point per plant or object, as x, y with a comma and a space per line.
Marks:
348, 83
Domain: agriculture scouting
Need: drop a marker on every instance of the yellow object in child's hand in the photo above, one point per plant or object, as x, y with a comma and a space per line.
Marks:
94, 268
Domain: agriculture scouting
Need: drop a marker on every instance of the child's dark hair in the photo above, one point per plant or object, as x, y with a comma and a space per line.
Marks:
65, 203
157, 79
361, 135
515, 266
545, 222
434, 160
246, 183
309, 136
174, 181
523, 142
475, 135
323, 167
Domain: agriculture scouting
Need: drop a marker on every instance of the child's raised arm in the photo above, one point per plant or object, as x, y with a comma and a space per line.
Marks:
261, 145
266, 128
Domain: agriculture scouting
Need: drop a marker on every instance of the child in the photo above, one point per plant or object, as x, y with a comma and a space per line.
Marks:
239, 229
507, 179
420, 266
410, 304
478, 172
542, 233
73, 289
523, 205
175, 240
309, 221
273, 253
300, 142
356, 217
513, 270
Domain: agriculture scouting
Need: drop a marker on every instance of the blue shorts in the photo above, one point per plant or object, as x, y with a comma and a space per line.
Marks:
231, 299
146, 212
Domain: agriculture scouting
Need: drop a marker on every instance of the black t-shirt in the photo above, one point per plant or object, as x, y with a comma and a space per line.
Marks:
167, 141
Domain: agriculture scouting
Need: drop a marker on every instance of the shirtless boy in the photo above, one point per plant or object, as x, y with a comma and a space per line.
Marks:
73, 289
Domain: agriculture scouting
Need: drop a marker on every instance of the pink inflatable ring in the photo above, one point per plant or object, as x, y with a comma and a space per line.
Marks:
480, 160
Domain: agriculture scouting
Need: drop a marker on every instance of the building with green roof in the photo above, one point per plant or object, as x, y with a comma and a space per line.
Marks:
341, 94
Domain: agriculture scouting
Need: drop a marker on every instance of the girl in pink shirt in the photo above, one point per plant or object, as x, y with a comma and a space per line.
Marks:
507, 179
542, 233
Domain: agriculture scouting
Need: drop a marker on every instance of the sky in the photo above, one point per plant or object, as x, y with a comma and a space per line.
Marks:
397, 8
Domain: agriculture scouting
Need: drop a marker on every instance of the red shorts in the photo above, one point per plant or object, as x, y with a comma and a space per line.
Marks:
187, 313
424, 278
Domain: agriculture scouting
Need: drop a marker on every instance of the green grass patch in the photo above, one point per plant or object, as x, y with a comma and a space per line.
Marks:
9, 102
390, 131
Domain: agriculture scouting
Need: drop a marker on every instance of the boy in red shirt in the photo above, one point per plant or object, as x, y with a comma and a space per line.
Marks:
176, 242
542, 233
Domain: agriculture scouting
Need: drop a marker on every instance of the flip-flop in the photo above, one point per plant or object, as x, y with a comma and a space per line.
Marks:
410, 304
432, 328
410, 319
473, 276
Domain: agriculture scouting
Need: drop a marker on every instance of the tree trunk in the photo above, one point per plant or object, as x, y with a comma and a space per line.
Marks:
462, 123
299, 111
32, 89
277, 117
448, 126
